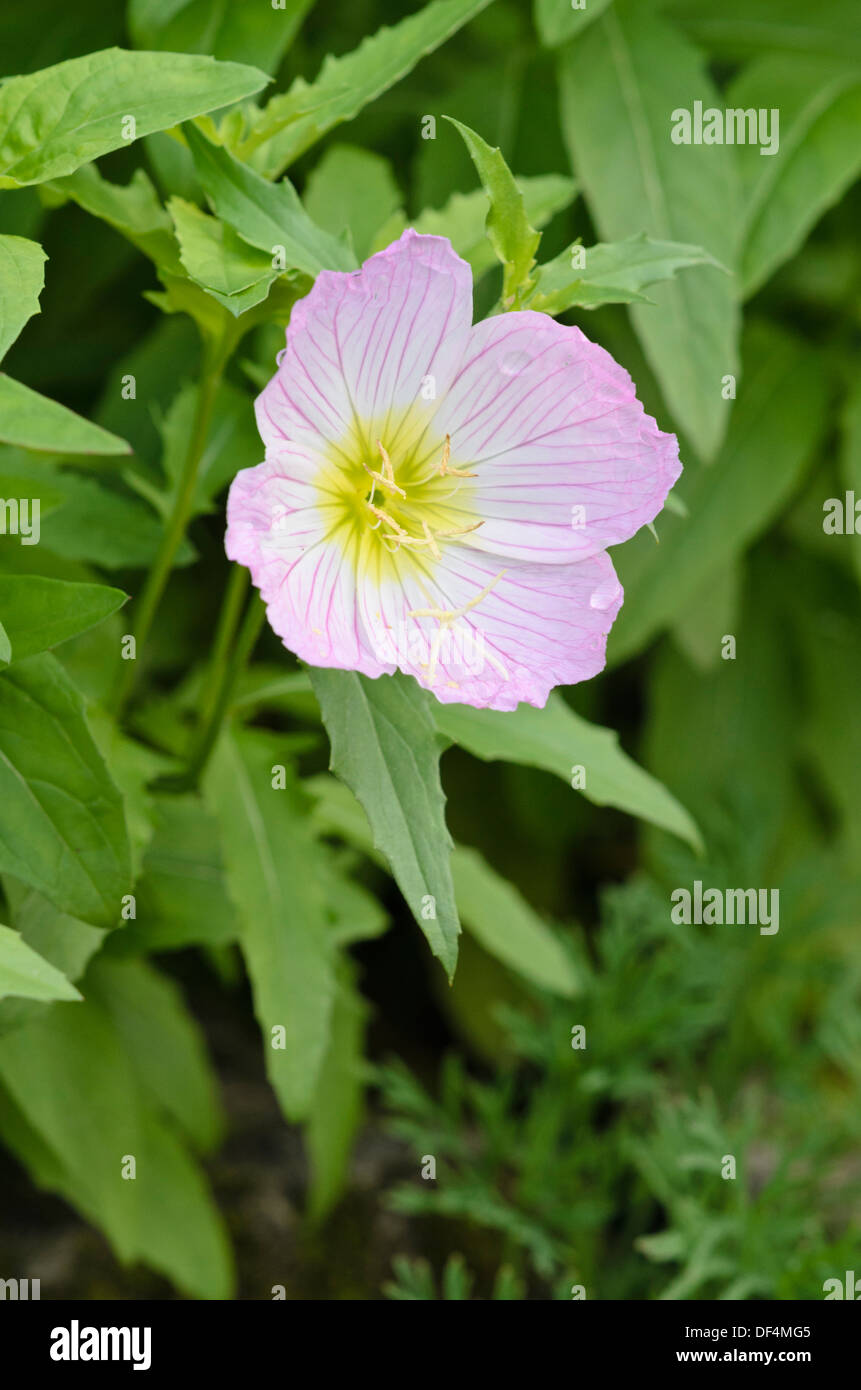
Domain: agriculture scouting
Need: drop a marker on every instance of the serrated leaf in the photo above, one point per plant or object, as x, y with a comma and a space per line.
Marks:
32, 421
385, 747
613, 273
25, 975
289, 124
233, 272
619, 85
463, 218
22, 278
55, 120
62, 828
268, 851
266, 215
508, 231
559, 741
40, 613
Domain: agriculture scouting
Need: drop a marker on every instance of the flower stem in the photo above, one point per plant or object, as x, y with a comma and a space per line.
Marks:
227, 665
172, 536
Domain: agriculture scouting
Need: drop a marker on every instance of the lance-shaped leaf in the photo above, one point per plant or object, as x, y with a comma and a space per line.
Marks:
620, 83
289, 124
386, 748
73, 1109
40, 613
817, 101
508, 231
274, 871
610, 273
464, 216
248, 33
268, 216
25, 975
32, 421
62, 827
55, 120
22, 278
739, 28
584, 755
558, 21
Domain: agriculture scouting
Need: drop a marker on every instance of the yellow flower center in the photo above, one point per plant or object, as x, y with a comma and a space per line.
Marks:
395, 496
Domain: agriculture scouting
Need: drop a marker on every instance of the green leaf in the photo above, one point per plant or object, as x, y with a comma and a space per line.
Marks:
557, 21
164, 1043
32, 421
385, 747
22, 279
234, 273
5, 647
737, 28
503, 922
508, 231
26, 975
819, 153
464, 216
267, 215
39, 614
53, 121
269, 855
182, 894
352, 190
289, 124
620, 83
259, 34
780, 414
850, 457
74, 1111
559, 741
337, 1108
612, 273
62, 828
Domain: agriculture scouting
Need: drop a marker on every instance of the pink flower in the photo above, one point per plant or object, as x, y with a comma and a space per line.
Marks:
438, 497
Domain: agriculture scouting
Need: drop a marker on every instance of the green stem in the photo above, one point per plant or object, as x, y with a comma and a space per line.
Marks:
225, 671
172, 536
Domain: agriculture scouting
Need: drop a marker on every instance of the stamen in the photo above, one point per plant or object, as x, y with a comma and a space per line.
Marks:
383, 481
445, 467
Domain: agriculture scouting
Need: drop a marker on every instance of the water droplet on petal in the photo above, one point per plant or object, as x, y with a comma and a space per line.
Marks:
605, 595
279, 356
513, 363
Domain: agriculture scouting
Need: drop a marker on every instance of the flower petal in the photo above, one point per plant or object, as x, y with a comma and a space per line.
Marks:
537, 626
277, 527
363, 345
567, 460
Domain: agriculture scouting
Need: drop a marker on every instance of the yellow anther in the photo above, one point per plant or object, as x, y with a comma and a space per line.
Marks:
445, 467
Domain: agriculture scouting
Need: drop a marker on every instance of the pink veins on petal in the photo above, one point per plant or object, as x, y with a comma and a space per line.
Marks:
438, 497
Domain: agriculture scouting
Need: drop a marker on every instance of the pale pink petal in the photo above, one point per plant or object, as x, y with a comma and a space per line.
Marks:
538, 626
278, 527
363, 347
567, 461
